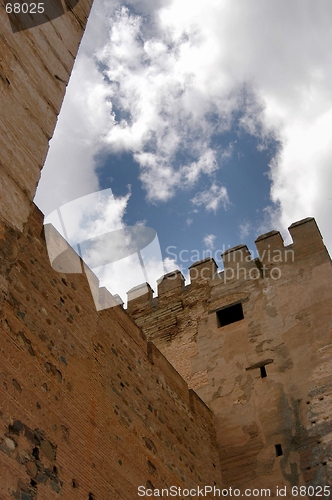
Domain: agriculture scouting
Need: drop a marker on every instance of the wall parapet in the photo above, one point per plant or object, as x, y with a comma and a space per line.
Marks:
74, 373
254, 342
274, 259
65, 260
171, 282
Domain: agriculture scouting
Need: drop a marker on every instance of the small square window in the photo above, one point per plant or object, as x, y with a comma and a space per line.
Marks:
230, 314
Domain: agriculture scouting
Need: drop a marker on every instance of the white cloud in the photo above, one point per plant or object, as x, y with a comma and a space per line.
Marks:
170, 265
150, 84
69, 171
302, 175
244, 229
212, 198
206, 164
121, 276
208, 241
120, 256
161, 108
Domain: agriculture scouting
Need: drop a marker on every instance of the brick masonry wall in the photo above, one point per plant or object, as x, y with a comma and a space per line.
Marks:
86, 405
88, 408
287, 329
35, 67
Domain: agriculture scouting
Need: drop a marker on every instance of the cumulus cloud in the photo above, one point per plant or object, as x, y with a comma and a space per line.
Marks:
120, 256
302, 175
244, 229
276, 71
170, 264
161, 79
160, 109
69, 172
212, 198
208, 241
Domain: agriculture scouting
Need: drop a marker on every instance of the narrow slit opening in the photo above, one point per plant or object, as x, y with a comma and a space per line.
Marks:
278, 448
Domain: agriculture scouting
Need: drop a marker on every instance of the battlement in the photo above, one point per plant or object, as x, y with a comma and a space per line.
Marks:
171, 282
250, 340
90, 407
275, 261
85, 359
202, 270
64, 259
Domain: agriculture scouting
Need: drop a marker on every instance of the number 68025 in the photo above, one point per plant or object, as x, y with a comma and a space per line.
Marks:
25, 8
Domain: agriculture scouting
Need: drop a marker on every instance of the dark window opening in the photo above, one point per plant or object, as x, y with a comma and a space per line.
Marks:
278, 450
262, 367
91, 497
230, 314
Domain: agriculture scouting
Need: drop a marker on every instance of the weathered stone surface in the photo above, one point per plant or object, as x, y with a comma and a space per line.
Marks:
85, 408
34, 70
88, 407
267, 375
96, 404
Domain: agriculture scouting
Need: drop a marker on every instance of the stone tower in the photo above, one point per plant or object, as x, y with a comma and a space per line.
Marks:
255, 342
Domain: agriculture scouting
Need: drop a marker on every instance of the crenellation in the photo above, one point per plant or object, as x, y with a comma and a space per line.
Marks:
307, 239
236, 255
270, 247
238, 266
173, 282
244, 342
106, 299
202, 271
139, 298
225, 381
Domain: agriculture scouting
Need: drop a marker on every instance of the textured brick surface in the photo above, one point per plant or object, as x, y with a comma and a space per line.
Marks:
89, 408
86, 404
35, 66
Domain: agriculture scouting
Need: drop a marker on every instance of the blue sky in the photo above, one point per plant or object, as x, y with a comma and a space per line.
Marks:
210, 122
185, 224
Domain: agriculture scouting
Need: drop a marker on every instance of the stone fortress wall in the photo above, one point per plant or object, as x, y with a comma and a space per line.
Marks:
255, 342
35, 67
88, 407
